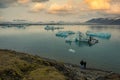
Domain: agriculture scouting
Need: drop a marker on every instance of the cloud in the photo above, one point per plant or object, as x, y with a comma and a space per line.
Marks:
40, 0
98, 4
114, 7
6, 3
1, 17
23, 1
2, 5
61, 9
38, 7
114, 10
105, 6
55, 8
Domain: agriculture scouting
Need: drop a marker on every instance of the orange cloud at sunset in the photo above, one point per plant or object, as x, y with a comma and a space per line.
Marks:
23, 1
38, 7
98, 4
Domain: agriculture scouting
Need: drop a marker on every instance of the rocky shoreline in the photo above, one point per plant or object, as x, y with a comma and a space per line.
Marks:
22, 66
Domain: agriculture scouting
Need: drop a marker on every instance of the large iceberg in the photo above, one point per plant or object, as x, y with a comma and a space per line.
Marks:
70, 38
99, 34
79, 36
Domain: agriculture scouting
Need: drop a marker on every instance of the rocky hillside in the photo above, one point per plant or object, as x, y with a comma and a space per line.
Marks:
21, 66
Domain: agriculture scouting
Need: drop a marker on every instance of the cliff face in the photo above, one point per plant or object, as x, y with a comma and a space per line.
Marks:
21, 66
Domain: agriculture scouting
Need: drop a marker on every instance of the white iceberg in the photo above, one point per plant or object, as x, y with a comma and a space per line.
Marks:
98, 34
81, 37
77, 37
70, 38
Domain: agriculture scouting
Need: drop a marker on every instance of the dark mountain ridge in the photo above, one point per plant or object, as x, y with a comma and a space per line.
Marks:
112, 21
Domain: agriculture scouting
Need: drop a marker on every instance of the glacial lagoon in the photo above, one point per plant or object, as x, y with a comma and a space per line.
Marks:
38, 41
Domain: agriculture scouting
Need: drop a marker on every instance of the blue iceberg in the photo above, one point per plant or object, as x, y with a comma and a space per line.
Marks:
81, 37
98, 34
64, 33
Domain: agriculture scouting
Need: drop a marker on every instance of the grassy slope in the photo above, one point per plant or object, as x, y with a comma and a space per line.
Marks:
21, 66
15, 66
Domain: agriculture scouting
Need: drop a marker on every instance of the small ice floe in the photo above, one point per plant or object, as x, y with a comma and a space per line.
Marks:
71, 50
48, 27
99, 34
64, 33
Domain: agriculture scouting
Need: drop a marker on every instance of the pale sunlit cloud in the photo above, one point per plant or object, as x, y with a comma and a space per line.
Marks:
23, 1
61, 8
40, 0
1, 17
55, 8
114, 10
38, 7
98, 4
114, 7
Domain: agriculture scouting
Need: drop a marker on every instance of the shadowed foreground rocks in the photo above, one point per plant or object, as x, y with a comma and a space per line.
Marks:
21, 66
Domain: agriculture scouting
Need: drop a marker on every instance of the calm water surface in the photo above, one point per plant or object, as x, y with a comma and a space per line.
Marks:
35, 40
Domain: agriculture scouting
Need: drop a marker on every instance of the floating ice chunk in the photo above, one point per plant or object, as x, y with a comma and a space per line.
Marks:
64, 33
48, 27
98, 34
71, 38
71, 50
79, 36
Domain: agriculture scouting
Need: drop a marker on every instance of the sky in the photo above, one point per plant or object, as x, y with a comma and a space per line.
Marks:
58, 10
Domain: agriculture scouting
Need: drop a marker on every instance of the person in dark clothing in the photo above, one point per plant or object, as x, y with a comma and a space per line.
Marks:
84, 64
81, 62
90, 38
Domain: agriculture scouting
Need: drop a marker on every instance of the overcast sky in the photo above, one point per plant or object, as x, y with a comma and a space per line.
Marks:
58, 10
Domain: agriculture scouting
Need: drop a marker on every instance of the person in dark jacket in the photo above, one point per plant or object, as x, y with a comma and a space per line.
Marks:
83, 64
